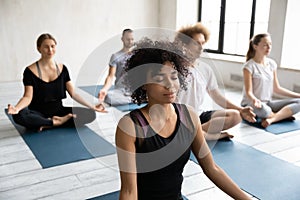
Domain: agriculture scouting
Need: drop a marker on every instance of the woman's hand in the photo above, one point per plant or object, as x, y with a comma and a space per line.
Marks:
100, 108
257, 103
12, 110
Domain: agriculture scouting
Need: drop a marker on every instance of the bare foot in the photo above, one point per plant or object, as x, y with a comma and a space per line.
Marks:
57, 121
266, 122
43, 127
222, 135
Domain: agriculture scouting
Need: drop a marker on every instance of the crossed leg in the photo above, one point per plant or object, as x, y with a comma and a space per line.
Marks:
220, 121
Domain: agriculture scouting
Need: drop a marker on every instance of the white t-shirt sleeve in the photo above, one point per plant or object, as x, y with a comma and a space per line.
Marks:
207, 75
248, 67
202, 79
262, 80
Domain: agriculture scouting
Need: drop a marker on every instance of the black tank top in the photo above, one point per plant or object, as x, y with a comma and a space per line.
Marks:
160, 161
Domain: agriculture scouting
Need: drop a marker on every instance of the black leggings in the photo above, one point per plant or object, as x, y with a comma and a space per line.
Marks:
32, 119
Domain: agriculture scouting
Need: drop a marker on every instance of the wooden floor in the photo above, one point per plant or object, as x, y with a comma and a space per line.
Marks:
22, 177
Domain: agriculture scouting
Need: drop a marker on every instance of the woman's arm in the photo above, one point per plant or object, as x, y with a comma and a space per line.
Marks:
249, 89
79, 99
23, 102
210, 168
125, 139
283, 91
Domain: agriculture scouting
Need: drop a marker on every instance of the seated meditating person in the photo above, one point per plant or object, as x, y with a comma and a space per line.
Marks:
45, 85
119, 95
261, 81
154, 142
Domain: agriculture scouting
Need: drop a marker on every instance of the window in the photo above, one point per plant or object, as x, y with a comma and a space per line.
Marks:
232, 23
291, 37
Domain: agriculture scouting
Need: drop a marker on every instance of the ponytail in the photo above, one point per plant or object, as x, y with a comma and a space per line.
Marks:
251, 51
254, 41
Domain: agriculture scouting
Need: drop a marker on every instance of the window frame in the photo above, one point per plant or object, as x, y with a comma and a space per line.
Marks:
220, 49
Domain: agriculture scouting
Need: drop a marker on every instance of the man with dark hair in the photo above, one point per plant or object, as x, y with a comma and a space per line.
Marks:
116, 68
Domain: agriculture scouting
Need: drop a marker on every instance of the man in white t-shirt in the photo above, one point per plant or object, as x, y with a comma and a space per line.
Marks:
116, 68
202, 81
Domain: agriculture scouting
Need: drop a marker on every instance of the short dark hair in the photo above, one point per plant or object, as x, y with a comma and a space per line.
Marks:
150, 55
127, 30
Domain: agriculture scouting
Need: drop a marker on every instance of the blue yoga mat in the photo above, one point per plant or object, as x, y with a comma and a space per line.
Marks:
94, 90
258, 173
283, 127
59, 146
129, 107
109, 196
278, 127
112, 196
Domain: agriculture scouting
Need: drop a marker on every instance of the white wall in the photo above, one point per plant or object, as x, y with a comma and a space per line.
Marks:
79, 27
167, 14
187, 13
173, 14
291, 42
276, 27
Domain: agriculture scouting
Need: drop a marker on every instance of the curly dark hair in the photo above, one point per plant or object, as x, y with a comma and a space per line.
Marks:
150, 55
